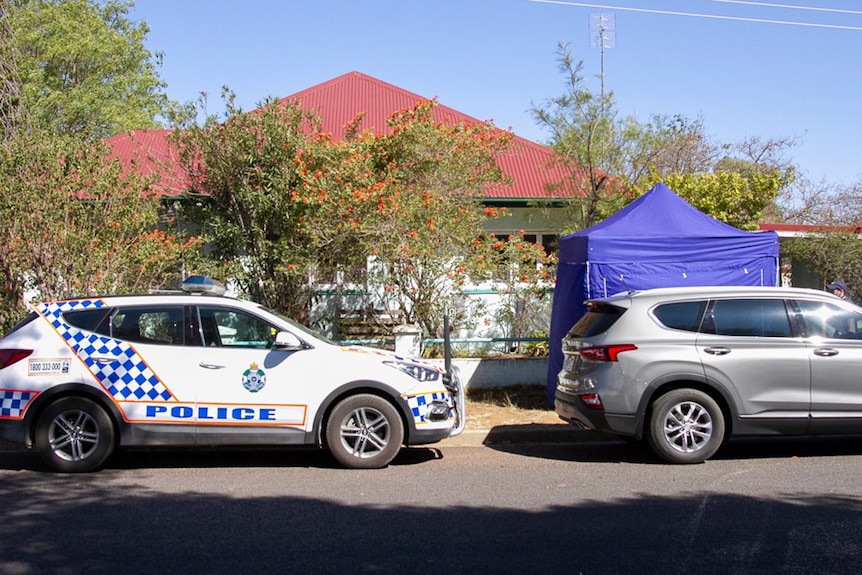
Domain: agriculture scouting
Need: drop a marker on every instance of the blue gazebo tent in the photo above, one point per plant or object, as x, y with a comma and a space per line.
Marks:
658, 240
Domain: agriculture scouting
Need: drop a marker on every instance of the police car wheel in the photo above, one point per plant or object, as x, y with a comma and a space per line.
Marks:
74, 435
364, 432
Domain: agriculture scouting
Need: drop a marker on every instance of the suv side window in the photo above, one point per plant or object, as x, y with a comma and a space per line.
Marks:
829, 320
751, 317
684, 315
225, 327
149, 324
94, 320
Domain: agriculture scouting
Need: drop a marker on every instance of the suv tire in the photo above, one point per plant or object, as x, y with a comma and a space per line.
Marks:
74, 435
364, 432
685, 426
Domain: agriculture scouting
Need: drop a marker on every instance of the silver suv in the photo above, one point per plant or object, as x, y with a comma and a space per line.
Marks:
684, 368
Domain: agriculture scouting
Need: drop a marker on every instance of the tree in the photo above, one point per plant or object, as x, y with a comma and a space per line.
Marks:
256, 171
75, 225
581, 124
425, 182
84, 68
833, 254
831, 249
727, 196
11, 110
287, 202
521, 273
625, 157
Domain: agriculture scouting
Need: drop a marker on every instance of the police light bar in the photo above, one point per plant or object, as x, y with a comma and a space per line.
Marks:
203, 285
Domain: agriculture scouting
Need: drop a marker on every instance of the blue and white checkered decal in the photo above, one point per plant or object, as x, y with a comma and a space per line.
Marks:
13, 403
128, 378
419, 404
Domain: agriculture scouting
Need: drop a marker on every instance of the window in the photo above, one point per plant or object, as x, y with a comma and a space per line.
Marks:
681, 315
154, 325
95, 320
829, 320
751, 317
226, 327
596, 321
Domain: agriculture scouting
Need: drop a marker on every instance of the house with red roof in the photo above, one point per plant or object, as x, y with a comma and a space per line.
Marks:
535, 171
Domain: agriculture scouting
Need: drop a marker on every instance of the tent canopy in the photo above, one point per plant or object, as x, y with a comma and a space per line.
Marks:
659, 240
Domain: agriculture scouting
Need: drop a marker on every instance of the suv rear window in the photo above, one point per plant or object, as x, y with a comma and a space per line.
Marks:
684, 315
597, 320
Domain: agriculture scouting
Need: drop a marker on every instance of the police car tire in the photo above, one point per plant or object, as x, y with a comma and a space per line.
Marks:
344, 434
94, 421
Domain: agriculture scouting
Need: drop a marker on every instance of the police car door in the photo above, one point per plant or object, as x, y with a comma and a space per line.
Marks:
144, 368
246, 388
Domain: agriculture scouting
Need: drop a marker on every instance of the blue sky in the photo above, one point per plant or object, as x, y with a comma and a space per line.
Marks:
492, 59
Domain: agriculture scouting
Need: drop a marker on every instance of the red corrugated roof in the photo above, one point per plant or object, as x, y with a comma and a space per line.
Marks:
535, 170
151, 151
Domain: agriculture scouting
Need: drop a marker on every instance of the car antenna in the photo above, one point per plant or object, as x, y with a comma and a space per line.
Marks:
623, 279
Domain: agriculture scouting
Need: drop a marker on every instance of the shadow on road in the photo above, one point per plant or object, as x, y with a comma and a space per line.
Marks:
203, 458
114, 523
586, 446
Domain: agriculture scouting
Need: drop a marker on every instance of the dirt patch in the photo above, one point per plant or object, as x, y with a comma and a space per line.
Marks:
512, 405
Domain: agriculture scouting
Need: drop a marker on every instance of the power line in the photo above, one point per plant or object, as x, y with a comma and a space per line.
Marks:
697, 15
788, 6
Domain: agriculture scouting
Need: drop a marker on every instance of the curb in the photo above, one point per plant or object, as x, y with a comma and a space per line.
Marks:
528, 433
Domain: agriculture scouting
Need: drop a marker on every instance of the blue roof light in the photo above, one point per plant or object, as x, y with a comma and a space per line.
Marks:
203, 285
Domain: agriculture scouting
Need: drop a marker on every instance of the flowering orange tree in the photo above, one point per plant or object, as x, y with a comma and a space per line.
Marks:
262, 173
424, 182
289, 202
75, 225
522, 273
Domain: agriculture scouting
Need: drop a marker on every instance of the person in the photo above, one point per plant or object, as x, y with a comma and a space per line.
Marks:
839, 288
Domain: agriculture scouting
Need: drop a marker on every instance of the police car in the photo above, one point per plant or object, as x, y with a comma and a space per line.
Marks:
80, 378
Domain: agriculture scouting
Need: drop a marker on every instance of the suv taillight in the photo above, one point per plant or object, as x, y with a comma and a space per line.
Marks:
605, 352
10, 356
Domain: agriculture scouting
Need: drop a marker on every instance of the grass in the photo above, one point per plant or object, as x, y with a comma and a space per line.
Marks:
514, 396
511, 405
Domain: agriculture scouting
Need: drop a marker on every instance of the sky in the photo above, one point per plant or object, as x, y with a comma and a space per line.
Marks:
785, 68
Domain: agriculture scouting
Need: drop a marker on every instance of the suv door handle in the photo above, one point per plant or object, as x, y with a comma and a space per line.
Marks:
825, 351
717, 350
211, 366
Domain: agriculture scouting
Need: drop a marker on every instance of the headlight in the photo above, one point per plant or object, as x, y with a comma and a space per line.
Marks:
416, 371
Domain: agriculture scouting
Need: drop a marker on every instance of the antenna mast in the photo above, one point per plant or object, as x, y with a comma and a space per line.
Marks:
602, 35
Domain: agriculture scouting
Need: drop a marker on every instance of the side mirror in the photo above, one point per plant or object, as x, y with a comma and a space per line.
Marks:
286, 341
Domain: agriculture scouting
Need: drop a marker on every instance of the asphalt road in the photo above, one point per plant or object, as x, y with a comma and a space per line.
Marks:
591, 507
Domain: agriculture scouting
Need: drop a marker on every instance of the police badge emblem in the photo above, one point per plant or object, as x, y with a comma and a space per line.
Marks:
253, 379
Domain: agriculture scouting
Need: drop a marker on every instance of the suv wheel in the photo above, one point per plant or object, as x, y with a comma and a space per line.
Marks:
686, 426
364, 432
74, 435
